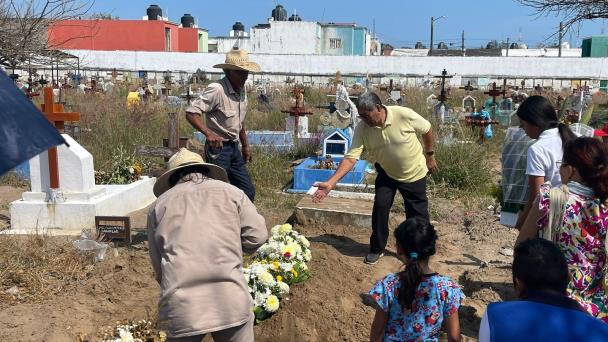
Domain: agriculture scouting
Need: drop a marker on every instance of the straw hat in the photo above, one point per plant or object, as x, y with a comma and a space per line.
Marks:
237, 59
182, 159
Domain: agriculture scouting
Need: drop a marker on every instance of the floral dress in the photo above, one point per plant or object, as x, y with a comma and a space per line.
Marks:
581, 238
437, 297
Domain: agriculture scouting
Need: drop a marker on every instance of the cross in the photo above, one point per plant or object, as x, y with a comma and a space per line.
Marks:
297, 110
170, 145
442, 96
55, 113
468, 88
493, 92
504, 89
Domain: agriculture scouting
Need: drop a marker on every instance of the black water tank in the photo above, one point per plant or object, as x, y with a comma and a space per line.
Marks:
238, 26
492, 45
442, 46
187, 20
279, 13
419, 45
154, 12
514, 46
295, 17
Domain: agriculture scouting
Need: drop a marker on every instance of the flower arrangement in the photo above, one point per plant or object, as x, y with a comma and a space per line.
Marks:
279, 263
132, 331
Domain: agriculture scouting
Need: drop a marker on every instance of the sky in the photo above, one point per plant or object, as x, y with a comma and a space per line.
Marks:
397, 22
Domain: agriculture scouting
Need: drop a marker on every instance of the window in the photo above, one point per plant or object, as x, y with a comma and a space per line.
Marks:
335, 43
167, 39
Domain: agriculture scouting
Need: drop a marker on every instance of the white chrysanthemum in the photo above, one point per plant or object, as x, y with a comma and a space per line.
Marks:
303, 267
307, 255
284, 229
125, 335
286, 266
272, 303
266, 278
283, 287
303, 241
274, 231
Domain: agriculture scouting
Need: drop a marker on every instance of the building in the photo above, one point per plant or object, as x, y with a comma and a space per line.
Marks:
153, 33
283, 35
595, 47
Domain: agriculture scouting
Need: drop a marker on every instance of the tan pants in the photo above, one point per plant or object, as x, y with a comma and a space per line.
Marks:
241, 333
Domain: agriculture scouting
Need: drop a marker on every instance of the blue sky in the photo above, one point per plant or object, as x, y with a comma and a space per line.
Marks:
398, 22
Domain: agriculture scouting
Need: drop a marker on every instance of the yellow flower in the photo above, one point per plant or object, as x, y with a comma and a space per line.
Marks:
279, 278
275, 265
294, 272
272, 303
284, 229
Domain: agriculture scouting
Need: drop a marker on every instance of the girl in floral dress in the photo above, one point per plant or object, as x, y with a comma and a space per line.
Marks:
413, 304
582, 234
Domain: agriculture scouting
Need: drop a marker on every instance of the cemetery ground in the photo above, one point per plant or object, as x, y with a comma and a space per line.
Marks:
50, 292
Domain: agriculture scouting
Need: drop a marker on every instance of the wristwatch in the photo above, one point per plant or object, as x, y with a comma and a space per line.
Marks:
429, 153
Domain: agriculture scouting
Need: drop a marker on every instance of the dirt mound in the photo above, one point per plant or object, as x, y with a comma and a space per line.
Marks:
331, 306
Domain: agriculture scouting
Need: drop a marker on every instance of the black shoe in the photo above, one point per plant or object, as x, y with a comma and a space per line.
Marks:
372, 258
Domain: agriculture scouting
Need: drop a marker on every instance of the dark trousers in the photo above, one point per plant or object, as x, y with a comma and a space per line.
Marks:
414, 198
229, 158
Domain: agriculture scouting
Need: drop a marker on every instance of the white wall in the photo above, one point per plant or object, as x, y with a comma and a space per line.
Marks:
542, 52
513, 67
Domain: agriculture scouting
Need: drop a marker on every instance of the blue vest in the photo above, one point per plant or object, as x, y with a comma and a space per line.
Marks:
544, 317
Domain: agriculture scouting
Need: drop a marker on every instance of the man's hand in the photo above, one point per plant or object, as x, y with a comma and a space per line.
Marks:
247, 155
322, 192
431, 164
214, 140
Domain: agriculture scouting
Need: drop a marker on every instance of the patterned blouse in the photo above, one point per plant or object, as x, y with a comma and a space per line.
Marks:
437, 297
582, 236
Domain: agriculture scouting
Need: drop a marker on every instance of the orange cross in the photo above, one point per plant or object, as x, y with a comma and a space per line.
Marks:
55, 113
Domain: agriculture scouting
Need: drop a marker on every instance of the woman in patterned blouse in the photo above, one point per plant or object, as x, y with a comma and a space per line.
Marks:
582, 233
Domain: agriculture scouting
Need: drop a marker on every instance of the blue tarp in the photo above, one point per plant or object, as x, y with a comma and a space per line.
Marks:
24, 131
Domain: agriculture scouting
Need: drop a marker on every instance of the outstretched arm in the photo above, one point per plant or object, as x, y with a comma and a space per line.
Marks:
325, 187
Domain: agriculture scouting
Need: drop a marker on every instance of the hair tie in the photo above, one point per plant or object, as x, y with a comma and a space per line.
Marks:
600, 167
413, 256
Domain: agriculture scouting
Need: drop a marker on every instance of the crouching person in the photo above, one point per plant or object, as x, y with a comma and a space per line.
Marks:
543, 312
198, 229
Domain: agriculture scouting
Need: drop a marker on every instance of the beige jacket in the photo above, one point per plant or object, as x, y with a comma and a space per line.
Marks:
197, 232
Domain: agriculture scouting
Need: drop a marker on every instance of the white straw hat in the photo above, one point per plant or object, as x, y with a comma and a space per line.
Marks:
237, 59
182, 159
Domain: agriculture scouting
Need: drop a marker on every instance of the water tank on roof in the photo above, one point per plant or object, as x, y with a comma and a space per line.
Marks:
187, 20
279, 13
154, 12
514, 46
442, 46
295, 17
238, 26
419, 45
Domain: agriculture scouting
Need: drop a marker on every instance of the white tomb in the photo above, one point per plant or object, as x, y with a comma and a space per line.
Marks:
73, 207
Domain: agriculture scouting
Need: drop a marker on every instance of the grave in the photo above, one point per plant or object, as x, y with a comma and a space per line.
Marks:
318, 169
64, 198
514, 181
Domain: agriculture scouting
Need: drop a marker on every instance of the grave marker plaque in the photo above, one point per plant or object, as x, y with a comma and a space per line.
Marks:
114, 228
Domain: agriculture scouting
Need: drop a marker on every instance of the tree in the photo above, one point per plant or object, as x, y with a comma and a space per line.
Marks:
24, 27
572, 11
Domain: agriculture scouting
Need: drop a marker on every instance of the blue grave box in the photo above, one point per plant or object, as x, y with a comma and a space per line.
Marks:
305, 175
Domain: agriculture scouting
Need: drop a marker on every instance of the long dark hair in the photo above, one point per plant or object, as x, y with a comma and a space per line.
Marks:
590, 157
539, 111
416, 237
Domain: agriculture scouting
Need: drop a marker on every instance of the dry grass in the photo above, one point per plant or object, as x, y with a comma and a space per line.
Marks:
38, 266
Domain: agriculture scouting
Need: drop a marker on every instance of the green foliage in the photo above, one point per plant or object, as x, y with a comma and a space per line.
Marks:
463, 167
122, 170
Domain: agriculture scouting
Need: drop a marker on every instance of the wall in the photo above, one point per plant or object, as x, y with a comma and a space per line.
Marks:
326, 66
127, 35
203, 41
285, 37
595, 47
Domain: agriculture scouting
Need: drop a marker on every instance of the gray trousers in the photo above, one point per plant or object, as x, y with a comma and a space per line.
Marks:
241, 333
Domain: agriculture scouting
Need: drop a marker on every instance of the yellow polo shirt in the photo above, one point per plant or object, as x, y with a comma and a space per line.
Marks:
395, 146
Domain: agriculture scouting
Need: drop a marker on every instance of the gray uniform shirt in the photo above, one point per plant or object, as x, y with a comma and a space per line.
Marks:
223, 109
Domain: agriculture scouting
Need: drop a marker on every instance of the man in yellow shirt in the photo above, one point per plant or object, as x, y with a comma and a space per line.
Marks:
389, 136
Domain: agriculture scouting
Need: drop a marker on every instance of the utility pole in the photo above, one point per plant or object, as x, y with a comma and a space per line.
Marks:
431, 45
462, 44
507, 46
561, 37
